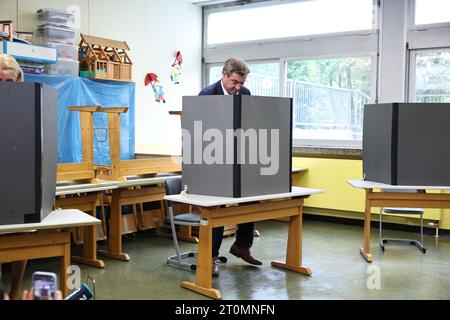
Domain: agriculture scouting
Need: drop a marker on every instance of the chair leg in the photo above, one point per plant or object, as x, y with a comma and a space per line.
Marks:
421, 228
174, 234
177, 260
421, 246
416, 243
380, 230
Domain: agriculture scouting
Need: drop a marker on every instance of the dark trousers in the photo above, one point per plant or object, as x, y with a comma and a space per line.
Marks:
244, 237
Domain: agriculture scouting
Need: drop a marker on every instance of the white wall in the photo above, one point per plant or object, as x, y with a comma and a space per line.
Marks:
155, 30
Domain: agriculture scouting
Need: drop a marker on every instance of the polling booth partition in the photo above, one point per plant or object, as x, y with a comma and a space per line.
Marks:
237, 146
237, 169
406, 160
406, 144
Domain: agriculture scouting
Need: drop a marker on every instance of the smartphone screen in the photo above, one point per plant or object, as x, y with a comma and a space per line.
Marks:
44, 284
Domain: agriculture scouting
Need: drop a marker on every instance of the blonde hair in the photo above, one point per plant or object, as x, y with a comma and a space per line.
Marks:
8, 62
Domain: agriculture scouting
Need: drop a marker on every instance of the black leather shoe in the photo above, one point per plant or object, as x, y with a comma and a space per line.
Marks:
215, 268
244, 254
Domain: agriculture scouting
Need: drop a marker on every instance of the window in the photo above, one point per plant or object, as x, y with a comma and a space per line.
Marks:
431, 11
263, 79
322, 53
289, 20
329, 96
430, 76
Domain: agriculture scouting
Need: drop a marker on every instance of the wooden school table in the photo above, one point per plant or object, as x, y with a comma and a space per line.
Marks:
22, 242
379, 199
128, 193
84, 197
222, 211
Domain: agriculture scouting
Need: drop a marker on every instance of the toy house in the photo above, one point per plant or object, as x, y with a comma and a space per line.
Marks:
104, 59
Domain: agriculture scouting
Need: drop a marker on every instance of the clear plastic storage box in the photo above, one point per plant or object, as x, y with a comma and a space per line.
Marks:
55, 17
63, 68
64, 51
56, 35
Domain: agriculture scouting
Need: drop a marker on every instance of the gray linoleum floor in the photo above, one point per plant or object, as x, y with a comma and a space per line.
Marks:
331, 250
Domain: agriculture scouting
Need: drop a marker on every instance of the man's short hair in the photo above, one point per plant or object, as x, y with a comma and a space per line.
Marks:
236, 65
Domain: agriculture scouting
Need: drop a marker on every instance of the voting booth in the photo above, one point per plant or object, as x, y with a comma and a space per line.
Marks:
237, 146
407, 143
28, 157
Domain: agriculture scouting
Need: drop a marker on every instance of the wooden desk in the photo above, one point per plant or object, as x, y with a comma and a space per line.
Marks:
14, 246
85, 201
222, 211
422, 199
128, 193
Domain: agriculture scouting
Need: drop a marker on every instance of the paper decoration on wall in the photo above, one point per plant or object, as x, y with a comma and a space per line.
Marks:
152, 78
175, 72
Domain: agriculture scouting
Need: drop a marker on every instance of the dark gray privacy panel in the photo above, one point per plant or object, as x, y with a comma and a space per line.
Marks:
377, 142
229, 119
267, 113
418, 150
49, 122
424, 144
213, 112
28, 135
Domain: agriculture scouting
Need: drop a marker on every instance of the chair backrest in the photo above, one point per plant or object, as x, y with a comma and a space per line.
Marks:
173, 186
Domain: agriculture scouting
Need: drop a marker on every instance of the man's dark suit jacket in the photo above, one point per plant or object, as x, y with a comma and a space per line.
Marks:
216, 89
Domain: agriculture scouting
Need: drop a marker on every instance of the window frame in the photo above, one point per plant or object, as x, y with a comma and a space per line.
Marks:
356, 144
358, 43
412, 55
412, 26
236, 7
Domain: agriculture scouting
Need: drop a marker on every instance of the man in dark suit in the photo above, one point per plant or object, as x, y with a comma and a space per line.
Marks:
234, 74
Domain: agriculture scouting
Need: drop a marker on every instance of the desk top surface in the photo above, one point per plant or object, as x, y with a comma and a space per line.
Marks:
209, 201
362, 184
85, 188
55, 220
145, 181
72, 188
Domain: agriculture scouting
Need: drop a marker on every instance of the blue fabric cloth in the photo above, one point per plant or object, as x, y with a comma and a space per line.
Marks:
77, 91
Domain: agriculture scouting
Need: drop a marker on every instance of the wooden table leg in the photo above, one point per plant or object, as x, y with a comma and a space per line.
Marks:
203, 278
64, 265
90, 244
86, 203
294, 246
89, 249
365, 251
115, 233
185, 234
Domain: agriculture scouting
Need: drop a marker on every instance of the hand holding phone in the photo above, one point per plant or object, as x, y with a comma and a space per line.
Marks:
44, 285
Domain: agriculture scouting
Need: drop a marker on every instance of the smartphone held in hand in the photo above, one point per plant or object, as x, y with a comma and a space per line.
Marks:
44, 284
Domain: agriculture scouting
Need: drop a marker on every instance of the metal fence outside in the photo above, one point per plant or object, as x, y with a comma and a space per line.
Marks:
433, 98
316, 106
